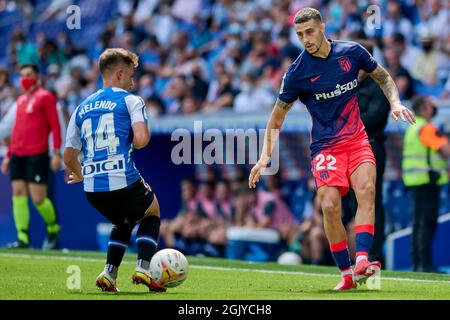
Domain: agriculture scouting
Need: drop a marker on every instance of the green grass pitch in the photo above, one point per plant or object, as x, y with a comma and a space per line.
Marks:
34, 274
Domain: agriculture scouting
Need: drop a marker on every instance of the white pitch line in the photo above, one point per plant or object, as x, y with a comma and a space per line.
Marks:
300, 273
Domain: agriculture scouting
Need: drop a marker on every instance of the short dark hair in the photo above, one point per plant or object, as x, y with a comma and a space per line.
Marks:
306, 14
33, 66
115, 56
417, 103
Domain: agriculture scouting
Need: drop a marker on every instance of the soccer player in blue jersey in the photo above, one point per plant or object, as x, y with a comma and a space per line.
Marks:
105, 128
325, 78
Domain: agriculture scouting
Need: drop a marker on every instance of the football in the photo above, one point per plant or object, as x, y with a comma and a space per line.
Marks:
169, 268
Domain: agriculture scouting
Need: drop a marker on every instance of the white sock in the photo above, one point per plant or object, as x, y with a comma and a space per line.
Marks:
345, 272
111, 273
143, 266
361, 257
142, 270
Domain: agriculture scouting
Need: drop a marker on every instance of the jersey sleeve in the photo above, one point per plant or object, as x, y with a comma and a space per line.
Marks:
365, 59
136, 109
288, 92
73, 137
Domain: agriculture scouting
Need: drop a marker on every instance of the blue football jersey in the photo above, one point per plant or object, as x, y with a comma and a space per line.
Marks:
328, 88
101, 128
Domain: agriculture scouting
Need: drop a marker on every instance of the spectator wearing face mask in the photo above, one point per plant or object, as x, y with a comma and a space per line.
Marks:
427, 64
252, 96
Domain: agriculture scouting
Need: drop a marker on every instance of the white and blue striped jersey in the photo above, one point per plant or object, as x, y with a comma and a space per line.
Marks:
101, 128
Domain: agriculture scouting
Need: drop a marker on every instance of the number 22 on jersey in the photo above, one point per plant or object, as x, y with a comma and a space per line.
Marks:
325, 162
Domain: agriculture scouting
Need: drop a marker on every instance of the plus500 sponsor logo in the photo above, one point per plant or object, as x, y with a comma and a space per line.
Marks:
106, 166
340, 89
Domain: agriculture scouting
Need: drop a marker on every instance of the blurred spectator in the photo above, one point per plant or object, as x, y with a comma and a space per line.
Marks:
435, 19
253, 97
22, 51
286, 47
396, 22
153, 102
7, 93
184, 223
425, 67
189, 105
50, 53
174, 94
223, 96
446, 92
310, 240
408, 53
144, 11
57, 8
217, 233
268, 210
401, 76
149, 54
353, 20
198, 83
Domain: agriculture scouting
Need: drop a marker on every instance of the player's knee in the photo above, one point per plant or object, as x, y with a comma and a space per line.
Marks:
37, 199
20, 192
367, 189
330, 206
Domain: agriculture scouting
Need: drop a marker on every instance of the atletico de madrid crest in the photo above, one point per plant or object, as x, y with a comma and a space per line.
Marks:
345, 64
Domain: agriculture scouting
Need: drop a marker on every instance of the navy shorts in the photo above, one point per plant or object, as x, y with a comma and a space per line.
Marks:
129, 203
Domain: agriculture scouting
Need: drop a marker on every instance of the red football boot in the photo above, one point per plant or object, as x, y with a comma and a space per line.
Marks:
105, 283
145, 279
346, 283
364, 270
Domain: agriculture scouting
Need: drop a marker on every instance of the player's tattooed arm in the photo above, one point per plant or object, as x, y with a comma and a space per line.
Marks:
283, 105
270, 139
387, 84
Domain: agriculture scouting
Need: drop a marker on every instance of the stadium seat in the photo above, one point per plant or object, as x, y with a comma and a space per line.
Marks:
398, 204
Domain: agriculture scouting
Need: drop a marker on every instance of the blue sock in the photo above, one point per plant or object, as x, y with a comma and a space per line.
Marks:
340, 254
363, 238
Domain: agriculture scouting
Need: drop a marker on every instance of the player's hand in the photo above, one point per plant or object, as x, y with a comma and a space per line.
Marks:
402, 112
5, 165
253, 179
74, 178
55, 162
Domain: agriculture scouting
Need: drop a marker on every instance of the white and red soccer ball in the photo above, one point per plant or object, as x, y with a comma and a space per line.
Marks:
169, 268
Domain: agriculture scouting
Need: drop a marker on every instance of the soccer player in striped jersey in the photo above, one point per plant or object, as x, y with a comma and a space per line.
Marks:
104, 130
325, 78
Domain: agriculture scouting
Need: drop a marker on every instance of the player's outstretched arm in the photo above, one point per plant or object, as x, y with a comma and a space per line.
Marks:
73, 165
270, 139
387, 84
